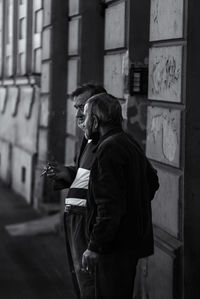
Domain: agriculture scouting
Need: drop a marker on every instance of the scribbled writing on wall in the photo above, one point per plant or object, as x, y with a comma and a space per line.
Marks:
165, 74
163, 136
165, 70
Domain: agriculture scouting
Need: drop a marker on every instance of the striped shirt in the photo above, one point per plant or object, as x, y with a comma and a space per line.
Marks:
77, 194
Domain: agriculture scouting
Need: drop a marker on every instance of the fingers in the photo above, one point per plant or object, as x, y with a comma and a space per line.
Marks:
88, 263
49, 171
51, 175
84, 263
52, 164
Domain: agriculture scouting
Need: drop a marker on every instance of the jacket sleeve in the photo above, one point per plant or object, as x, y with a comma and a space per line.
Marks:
63, 184
151, 172
152, 179
108, 189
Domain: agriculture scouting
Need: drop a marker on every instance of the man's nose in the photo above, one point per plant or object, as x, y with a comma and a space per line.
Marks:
79, 113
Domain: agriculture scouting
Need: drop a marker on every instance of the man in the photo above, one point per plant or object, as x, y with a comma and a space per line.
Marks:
76, 179
121, 187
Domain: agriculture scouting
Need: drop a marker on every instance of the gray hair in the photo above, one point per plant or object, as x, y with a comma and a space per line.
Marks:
107, 109
92, 88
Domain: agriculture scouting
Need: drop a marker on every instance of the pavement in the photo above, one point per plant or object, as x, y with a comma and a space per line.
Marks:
33, 261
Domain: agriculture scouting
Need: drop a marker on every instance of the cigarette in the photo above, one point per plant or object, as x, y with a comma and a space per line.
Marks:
44, 172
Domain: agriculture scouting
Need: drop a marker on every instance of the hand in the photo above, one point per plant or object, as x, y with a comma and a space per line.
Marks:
90, 260
46, 170
55, 171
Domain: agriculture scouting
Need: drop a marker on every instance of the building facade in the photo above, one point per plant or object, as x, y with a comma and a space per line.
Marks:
144, 52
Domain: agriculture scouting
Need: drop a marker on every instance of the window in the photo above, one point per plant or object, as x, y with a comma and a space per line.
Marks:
37, 29
21, 23
9, 37
22, 37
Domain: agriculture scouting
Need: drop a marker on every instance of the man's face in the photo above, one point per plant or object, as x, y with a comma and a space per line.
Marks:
89, 122
79, 103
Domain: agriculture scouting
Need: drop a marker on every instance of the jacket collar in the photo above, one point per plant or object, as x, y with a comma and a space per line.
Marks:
111, 132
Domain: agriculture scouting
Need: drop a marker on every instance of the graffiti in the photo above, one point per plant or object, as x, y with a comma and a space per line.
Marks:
165, 75
155, 13
165, 71
164, 128
170, 139
156, 126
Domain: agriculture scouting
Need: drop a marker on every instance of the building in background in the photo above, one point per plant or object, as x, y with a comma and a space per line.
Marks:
146, 52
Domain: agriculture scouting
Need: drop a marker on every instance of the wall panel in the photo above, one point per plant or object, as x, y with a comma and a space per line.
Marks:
163, 135
166, 204
73, 7
165, 73
22, 164
115, 26
166, 19
113, 77
73, 43
72, 78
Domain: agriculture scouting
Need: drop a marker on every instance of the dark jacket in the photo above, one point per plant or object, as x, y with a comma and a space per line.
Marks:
122, 185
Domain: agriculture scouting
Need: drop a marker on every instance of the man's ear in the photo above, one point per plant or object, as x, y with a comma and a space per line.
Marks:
96, 121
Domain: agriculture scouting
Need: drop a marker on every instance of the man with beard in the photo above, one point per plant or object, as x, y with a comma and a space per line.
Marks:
121, 186
76, 179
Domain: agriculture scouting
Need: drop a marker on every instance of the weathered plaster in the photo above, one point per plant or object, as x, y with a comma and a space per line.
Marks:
166, 20
70, 151
163, 135
165, 206
46, 77
73, 7
72, 77
115, 26
47, 12
71, 118
113, 75
137, 118
44, 110
73, 43
165, 71
46, 43
22, 160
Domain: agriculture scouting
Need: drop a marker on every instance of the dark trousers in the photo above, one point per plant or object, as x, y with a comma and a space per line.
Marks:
115, 275
74, 223
115, 272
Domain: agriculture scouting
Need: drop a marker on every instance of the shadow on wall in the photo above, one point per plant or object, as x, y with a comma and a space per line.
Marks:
137, 118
